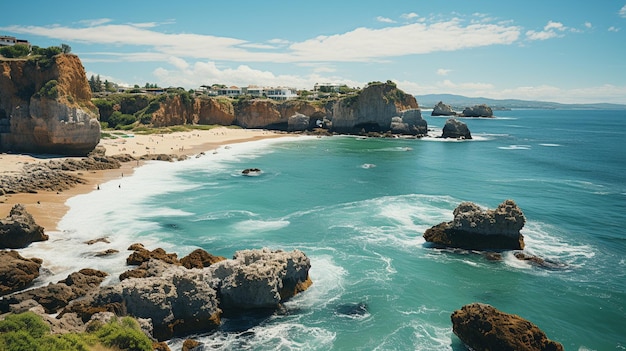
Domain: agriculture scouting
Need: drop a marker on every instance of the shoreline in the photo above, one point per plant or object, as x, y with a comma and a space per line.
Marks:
49, 207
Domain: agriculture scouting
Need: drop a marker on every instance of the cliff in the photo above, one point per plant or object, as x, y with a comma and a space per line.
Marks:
45, 107
380, 107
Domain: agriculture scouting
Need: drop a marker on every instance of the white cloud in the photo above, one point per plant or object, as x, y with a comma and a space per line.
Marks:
550, 30
588, 25
95, 22
359, 45
622, 11
384, 19
243, 75
443, 71
614, 29
409, 16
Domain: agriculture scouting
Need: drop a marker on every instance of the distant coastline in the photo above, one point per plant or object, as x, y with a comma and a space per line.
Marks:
459, 102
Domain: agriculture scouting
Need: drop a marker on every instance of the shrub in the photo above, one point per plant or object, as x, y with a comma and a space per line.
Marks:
15, 51
124, 334
49, 90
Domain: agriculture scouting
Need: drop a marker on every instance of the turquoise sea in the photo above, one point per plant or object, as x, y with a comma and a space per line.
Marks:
358, 208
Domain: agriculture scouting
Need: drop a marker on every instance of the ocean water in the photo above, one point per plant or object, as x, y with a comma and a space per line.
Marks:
358, 208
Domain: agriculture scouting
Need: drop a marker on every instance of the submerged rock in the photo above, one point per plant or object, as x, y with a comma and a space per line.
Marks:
482, 327
475, 229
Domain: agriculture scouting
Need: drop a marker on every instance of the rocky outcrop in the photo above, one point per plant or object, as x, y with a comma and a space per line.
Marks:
455, 129
298, 122
16, 272
260, 113
482, 327
181, 301
46, 108
53, 297
477, 111
19, 229
475, 229
200, 259
410, 122
261, 279
371, 110
442, 109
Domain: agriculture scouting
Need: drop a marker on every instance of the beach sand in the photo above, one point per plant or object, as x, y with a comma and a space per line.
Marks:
47, 208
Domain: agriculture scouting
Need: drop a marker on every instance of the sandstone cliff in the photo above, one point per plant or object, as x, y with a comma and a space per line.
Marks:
45, 107
372, 109
380, 107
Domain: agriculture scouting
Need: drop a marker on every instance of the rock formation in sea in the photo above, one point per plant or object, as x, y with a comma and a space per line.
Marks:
477, 111
475, 229
372, 109
19, 229
45, 107
455, 129
17, 272
482, 327
181, 301
442, 109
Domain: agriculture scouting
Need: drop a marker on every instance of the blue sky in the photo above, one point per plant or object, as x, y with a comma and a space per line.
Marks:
551, 50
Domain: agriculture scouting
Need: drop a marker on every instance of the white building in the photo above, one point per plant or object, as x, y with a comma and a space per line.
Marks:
281, 93
10, 41
232, 91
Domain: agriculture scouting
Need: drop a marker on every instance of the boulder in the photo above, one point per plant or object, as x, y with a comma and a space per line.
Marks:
179, 302
16, 272
482, 327
141, 255
19, 229
298, 122
200, 259
455, 129
56, 296
477, 111
442, 109
410, 122
475, 229
261, 279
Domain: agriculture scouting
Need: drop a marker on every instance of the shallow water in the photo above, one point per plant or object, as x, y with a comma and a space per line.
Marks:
358, 209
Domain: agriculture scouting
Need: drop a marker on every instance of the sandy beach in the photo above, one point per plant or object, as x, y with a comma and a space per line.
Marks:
49, 207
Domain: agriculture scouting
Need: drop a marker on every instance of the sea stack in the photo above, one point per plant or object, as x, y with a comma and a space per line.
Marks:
475, 229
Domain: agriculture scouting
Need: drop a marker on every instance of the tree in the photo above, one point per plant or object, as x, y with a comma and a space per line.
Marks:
66, 49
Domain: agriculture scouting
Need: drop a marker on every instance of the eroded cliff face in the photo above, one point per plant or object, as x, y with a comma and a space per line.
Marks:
47, 108
372, 109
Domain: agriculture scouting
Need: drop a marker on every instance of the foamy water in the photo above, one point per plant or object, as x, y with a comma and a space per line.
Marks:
358, 209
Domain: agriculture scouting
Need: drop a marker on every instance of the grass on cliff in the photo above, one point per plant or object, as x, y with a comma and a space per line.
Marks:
28, 332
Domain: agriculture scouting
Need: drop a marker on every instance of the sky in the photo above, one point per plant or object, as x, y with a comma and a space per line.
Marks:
548, 50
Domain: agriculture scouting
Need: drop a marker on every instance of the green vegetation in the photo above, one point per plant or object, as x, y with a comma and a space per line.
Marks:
49, 90
28, 332
15, 51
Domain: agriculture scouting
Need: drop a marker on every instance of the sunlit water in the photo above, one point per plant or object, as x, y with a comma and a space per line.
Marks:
358, 209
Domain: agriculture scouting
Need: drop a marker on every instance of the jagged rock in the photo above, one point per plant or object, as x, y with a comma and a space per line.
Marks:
371, 110
410, 122
482, 327
455, 129
251, 171
179, 302
19, 229
191, 345
141, 255
16, 272
298, 122
473, 228
261, 279
442, 109
538, 261
56, 296
200, 259
47, 108
477, 111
